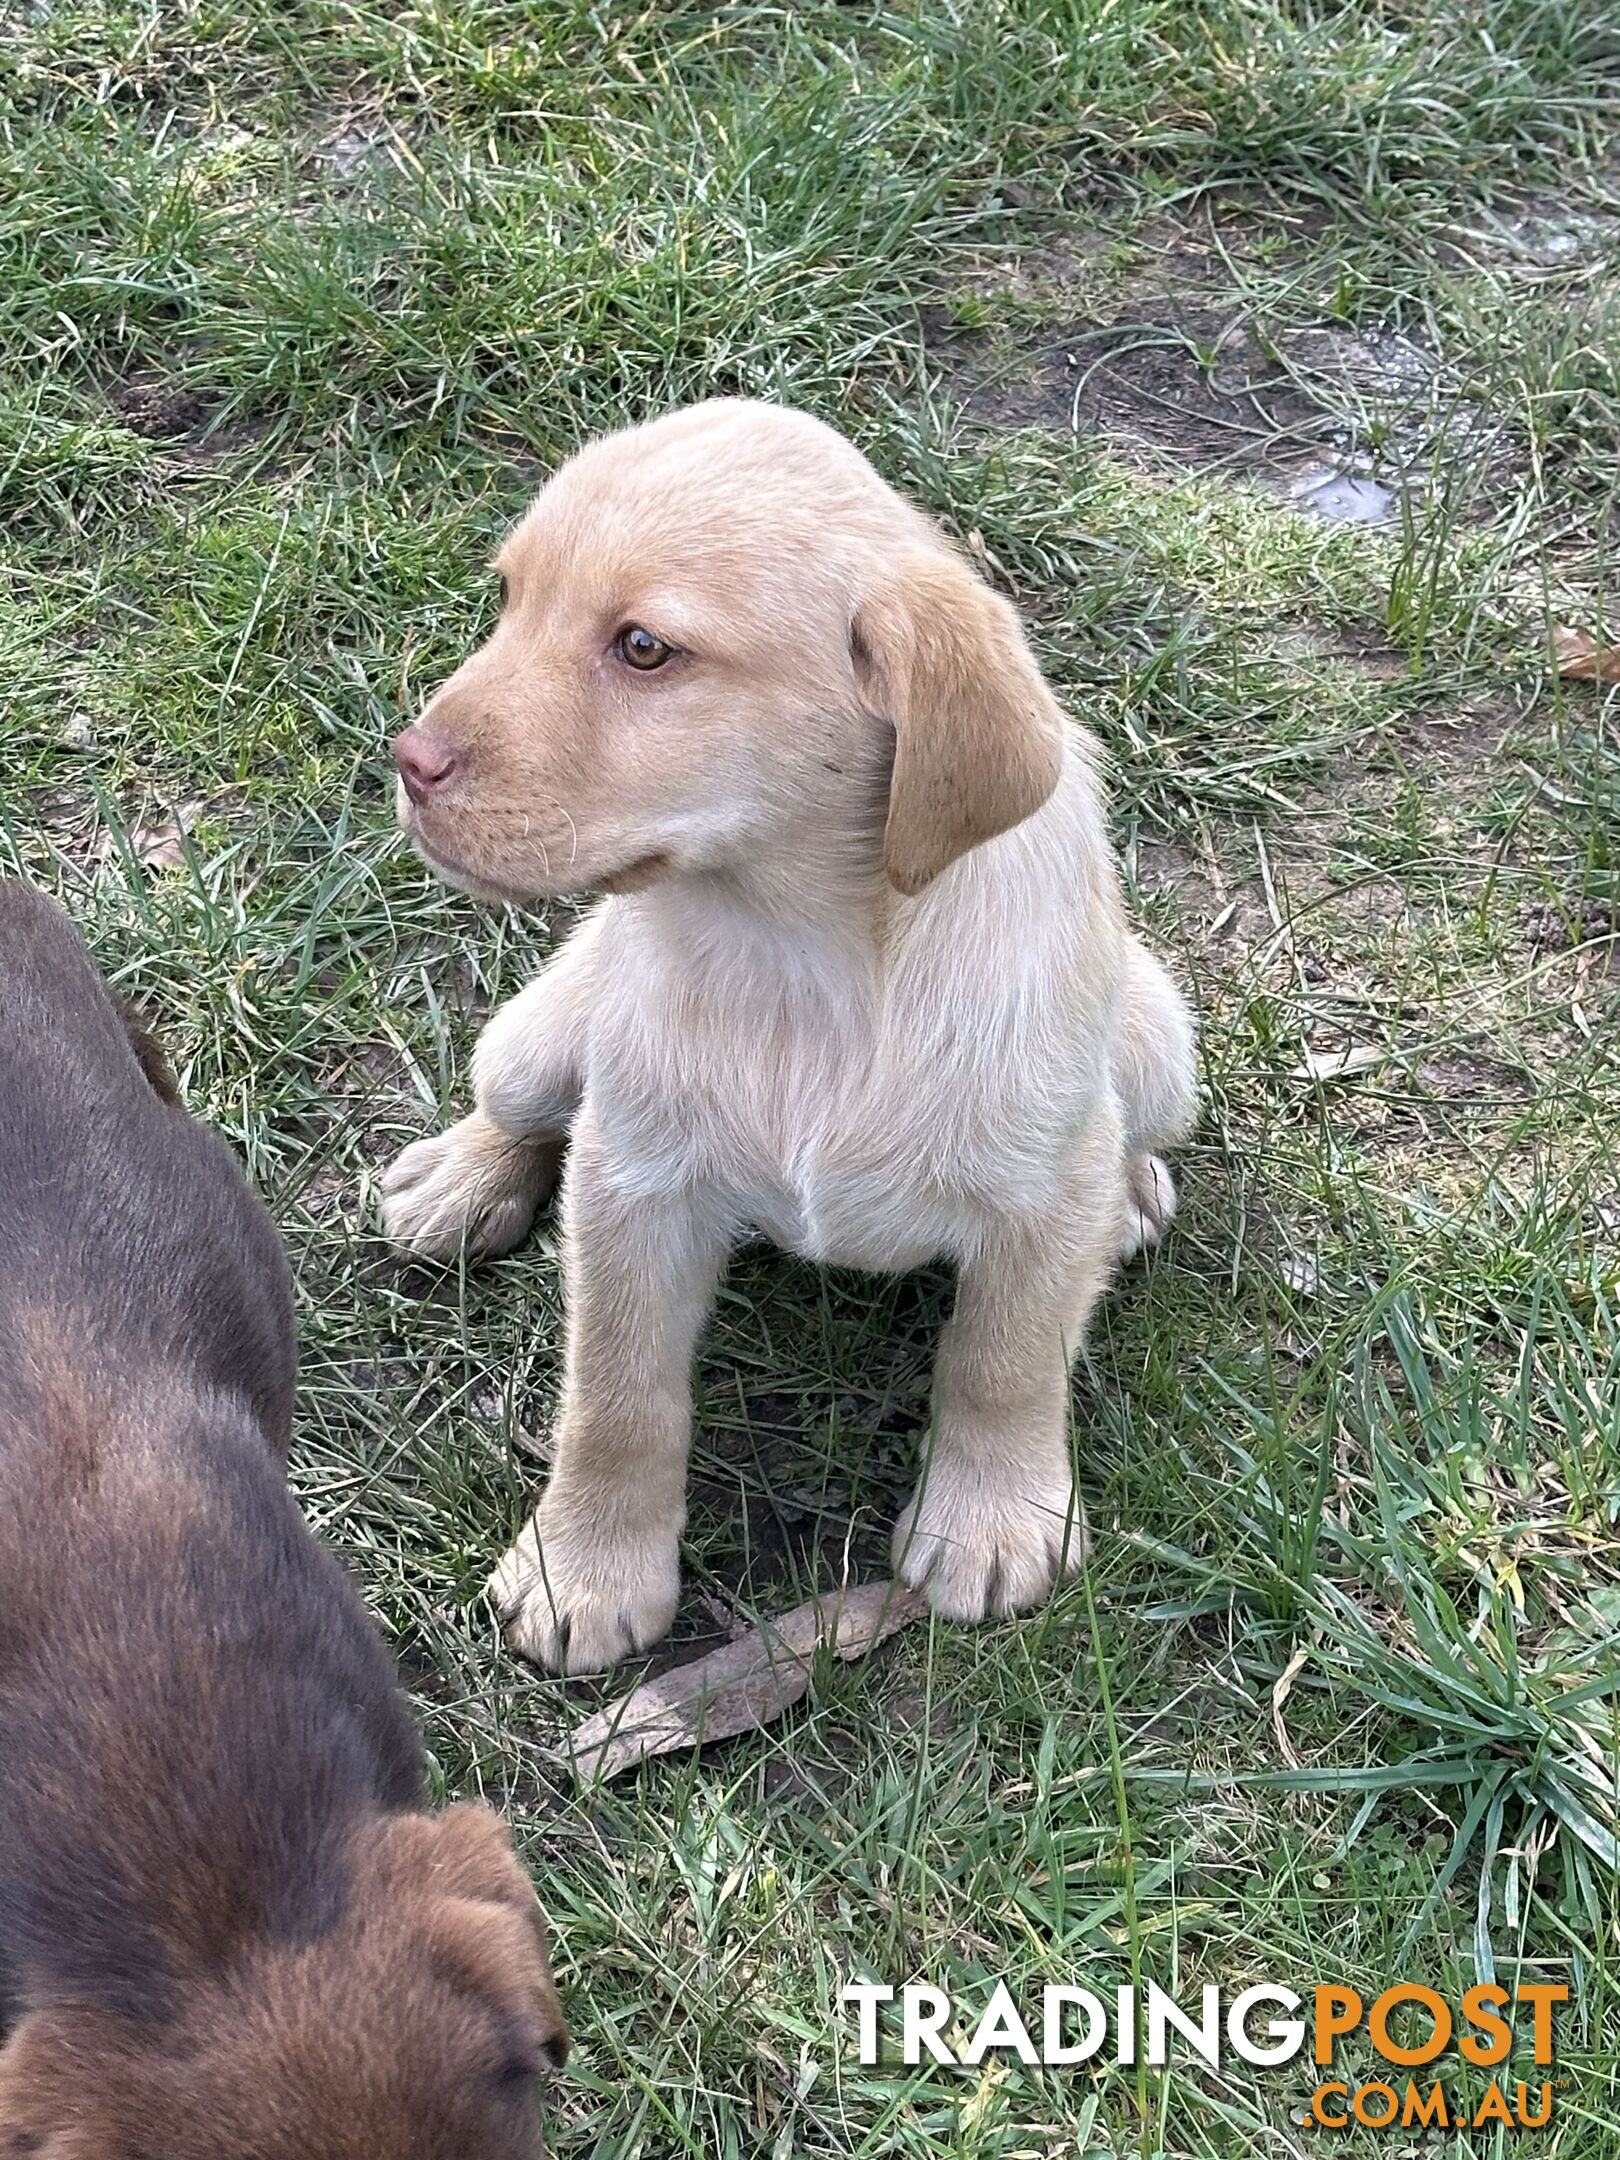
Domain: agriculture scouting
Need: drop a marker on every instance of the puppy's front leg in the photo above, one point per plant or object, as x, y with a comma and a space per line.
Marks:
596, 1572
475, 1187
995, 1518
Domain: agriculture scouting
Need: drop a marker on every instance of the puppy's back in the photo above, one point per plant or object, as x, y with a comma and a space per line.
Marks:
194, 1707
125, 1223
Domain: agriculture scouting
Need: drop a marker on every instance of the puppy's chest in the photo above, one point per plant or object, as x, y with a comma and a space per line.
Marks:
825, 1130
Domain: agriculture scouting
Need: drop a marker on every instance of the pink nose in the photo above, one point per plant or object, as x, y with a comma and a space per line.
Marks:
425, 761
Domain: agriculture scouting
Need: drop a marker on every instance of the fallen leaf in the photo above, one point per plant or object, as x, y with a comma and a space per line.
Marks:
1338, 1064
1579, 657
1301, 1275
1279, 1697
744, 1684
158, 847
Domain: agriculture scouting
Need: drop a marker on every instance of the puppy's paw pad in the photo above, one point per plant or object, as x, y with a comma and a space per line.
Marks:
577, 1605
1150, 1204
472, 1189
979, 1555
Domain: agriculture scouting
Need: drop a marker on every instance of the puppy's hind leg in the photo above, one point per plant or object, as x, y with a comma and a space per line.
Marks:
1156, 1079
476, 1187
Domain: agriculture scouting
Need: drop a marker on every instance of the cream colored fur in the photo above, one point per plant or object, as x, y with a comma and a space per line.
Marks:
862, 983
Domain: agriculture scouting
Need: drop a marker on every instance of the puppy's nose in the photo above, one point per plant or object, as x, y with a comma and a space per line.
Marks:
425, 761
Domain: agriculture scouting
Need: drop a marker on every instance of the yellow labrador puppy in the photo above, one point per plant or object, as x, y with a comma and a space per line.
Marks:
861, 983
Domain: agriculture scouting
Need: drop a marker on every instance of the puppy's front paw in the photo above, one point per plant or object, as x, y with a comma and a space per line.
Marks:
979, 1547
577, 1598
1150, 1204
474, 1189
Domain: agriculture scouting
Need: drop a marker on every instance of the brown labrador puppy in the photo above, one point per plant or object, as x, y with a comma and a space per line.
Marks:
227, 1930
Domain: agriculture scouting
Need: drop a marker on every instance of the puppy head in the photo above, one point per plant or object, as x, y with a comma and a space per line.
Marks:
722, 637
418, 2028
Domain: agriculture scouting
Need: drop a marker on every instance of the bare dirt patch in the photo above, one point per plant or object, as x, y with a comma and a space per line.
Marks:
1340, 422
184, 424
1570, 925
153, 406
1172, 366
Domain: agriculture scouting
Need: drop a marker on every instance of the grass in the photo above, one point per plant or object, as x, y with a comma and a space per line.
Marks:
297, 303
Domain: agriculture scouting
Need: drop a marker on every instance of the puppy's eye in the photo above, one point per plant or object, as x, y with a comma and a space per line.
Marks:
638, 648
517, 2071
503, 593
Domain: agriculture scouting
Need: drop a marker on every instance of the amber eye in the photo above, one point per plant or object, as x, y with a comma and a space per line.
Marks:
638, 648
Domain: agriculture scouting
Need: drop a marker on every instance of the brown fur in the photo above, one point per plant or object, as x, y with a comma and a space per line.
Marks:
148, 1052
227, 1930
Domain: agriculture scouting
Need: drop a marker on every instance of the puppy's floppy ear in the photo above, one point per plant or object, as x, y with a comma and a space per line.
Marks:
978, 738
148, 1052
463, 1860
